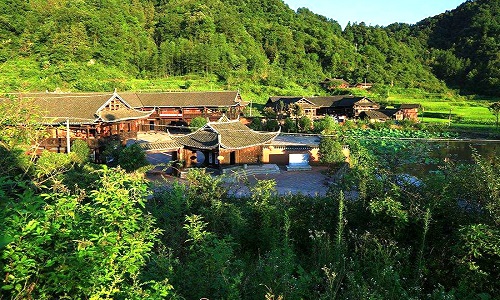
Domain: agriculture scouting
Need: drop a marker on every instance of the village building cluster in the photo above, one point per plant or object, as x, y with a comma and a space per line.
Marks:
342, 108
99, 118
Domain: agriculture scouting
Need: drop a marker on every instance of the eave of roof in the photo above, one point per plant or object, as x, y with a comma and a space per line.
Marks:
374, 114
123, 115
227, 135
186, 99
160, 146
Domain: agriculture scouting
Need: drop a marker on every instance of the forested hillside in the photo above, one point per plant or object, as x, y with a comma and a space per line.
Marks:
464, 46
101, 44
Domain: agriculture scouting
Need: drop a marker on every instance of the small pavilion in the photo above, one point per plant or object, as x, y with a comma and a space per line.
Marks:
224, 142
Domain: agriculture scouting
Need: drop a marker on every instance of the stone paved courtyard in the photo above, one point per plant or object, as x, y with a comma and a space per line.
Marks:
305, 182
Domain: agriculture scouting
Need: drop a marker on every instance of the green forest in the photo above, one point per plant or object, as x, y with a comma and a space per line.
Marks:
72, 229
96, 45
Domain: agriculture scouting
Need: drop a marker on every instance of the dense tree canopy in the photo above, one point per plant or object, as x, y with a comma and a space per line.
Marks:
94, 45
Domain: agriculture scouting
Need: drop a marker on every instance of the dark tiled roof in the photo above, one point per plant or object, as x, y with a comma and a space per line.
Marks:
122, 114
326, 101
409, 106
348, 101
159, 146
79, 108
322, 101
389, 111
287, 100
328, 80
373, 114
132, 99
183, 99
200, 139
232, 135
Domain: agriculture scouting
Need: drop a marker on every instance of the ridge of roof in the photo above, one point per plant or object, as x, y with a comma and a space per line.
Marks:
213, 135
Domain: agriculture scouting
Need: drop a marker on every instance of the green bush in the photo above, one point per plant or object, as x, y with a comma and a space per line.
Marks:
330, 150
326, 125
132, 158
305, 124
80, 151
197, 123
272, 125
85, 245
256, 124
289, 125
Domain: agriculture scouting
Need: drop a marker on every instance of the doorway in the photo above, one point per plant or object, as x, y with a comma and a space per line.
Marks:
232, 158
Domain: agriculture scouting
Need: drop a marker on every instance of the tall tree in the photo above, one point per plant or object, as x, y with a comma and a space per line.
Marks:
495, 109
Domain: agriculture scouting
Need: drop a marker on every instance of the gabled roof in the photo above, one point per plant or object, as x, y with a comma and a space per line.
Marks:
389, 111
160, 146
350, 101
339, 80
321, 101
226, 135
373, 114
184, 99
288, 100
81, 108
409, 106
325, 101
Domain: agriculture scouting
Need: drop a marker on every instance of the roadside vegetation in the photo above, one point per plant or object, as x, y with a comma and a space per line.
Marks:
74, 229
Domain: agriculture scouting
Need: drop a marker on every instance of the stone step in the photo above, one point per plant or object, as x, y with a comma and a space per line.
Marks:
299, 167
252, 170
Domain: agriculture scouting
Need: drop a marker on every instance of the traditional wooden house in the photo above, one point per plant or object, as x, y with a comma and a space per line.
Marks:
374, 116
352, 106
349, 106
363, 85
334, 83
279, 150
410, 111
223, 142
179, 108
283, 105
393, 113
94, 117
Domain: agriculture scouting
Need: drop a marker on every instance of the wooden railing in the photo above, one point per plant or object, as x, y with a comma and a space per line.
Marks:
93, 142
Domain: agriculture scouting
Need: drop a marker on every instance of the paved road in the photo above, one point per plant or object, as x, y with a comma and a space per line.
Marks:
304, 182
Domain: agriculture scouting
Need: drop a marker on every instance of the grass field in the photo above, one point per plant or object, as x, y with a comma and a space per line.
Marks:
459, 109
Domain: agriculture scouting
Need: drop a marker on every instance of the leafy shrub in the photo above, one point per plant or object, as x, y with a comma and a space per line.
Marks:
80, 151
87, 245
330, 150
326, 125
132, 158
289, 125
256, 124
305, 124
272, 125
50, 165
197, 123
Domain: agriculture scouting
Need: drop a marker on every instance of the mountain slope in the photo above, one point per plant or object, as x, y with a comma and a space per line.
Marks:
464, 46
101, 44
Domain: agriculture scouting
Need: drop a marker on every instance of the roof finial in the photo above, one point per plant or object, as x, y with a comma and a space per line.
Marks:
115, 91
